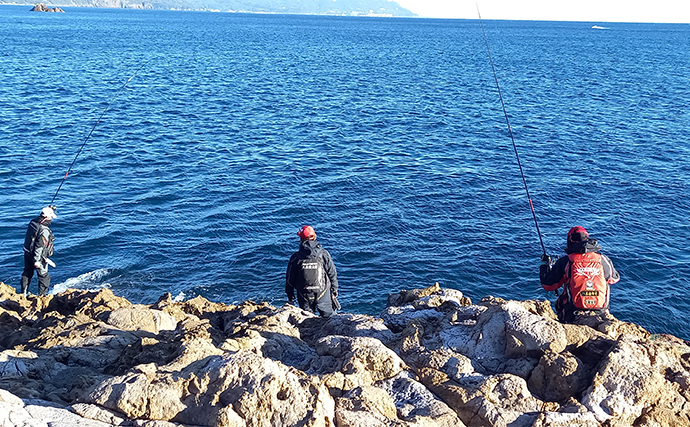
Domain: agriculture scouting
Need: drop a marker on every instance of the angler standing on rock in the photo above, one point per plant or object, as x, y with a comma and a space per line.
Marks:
311, 273
38, 246
585, 274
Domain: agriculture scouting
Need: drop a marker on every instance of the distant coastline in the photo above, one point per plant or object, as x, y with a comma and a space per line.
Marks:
372, 8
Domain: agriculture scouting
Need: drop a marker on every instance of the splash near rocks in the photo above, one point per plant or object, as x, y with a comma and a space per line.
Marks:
432, 358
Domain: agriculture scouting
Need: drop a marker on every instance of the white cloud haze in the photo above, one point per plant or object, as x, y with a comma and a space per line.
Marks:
671, 11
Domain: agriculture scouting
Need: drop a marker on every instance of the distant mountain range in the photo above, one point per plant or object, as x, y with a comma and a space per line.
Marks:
310, 7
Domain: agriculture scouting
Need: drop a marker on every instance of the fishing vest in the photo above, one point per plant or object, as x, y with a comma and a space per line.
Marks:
48, 248
587, 285
33, 233
312, 274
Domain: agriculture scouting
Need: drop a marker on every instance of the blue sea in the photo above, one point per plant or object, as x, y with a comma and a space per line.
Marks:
218, 135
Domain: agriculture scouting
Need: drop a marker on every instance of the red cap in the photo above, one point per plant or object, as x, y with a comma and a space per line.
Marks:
307, 232
577, 234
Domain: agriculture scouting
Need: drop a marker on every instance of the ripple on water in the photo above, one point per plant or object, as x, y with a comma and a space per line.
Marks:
386, 135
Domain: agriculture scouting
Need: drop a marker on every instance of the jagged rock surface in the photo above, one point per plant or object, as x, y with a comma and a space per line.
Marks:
432, 358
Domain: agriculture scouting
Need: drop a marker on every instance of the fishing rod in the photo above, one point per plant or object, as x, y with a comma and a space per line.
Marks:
94, 128
510, 131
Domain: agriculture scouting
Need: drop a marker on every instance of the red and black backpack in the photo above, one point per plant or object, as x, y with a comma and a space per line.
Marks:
587, 284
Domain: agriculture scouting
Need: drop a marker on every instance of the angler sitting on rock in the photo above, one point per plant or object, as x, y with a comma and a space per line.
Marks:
585, 274
38, 246
312, 274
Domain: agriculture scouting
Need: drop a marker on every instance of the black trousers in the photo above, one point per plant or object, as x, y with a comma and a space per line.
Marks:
313, 303
28, 274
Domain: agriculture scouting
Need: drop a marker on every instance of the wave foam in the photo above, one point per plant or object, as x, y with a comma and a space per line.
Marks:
87, 282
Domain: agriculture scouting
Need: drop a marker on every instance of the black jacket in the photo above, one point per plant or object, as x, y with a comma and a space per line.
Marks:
307, 248
551, 276
38, 240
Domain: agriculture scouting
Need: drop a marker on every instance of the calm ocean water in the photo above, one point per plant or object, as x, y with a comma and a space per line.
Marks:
385, 134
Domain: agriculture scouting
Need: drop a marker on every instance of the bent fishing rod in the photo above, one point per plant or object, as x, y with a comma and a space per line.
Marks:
510, 130
94, 128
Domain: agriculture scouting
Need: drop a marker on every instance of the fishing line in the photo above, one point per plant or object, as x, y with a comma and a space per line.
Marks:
510, 130
94, 128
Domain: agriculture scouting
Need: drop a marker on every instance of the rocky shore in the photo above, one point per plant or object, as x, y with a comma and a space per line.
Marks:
432, 358
40, 7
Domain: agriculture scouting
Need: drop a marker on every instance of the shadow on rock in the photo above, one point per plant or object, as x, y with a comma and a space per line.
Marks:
431, 358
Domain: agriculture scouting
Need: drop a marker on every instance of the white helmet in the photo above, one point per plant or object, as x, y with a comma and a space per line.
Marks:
48, 212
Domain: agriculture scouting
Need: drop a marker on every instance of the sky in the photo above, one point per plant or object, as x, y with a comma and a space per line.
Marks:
666, 11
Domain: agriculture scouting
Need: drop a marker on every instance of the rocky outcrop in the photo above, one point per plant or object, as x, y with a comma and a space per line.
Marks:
43, 8
432, 358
